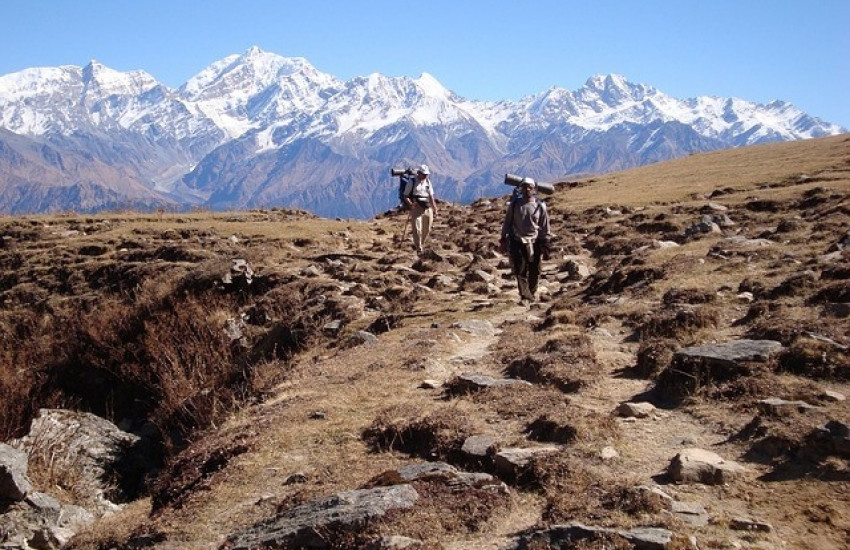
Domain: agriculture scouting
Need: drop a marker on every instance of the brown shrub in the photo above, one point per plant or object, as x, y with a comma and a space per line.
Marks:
563, 358
688, 296
572, 490
794, 285
517, 339
520, 402
569, 372
193, 469
836, 292
604, 282
435, 434
677, 325
816, 358
654, 356
443, 509
569, 425
687, 376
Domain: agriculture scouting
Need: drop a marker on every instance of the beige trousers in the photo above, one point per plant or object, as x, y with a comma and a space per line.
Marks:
421, 218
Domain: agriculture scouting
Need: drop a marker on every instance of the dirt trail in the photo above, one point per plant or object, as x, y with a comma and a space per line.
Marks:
644, 449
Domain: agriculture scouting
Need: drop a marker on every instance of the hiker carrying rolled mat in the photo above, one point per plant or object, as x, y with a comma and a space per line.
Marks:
419, 197
526, 238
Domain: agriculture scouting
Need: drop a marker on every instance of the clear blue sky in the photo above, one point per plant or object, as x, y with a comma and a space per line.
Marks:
757, 50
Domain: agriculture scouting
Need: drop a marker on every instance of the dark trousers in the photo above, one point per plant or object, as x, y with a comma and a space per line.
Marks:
526, 268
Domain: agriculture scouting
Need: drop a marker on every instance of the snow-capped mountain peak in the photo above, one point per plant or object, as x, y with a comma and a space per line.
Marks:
260, 129
430, 86
108, 81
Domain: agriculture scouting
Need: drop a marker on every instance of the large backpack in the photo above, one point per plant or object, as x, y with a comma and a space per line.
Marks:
516, 196
408, 176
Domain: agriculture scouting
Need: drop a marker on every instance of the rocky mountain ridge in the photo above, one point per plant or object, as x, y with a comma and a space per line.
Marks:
261, 130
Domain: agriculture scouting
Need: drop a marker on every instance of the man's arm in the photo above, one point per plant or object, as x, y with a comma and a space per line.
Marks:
431, 198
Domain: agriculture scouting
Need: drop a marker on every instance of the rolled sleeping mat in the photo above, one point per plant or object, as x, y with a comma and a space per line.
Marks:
513, 179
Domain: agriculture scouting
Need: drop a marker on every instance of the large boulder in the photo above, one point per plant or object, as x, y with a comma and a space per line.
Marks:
87, 448
701, 466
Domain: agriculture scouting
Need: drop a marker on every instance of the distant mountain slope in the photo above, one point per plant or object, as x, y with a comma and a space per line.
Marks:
260, 130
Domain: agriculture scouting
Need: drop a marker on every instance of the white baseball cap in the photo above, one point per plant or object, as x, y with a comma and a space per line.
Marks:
423, 169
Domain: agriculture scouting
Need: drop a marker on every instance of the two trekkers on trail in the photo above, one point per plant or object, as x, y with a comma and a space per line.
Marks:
526, 237
418, 196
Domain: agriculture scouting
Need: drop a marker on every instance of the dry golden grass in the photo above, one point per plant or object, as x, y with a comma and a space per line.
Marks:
771, 171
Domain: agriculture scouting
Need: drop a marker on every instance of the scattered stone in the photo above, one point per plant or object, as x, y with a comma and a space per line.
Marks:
636, 410
240, 270
700, 466
479, 446
297, 477
448, 474
702, 227
781, 407
741, 241
363, 337
690, 512
471, 382
830, 395
746, 524
430, 384
609, 453
714, 207
746, 297
697, 367
311, 271
332, 328
575, 270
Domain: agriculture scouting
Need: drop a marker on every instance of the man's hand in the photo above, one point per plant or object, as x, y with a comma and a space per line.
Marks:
545, 249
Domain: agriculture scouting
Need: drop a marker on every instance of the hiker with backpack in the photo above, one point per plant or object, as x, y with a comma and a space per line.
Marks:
526, 237
418, 196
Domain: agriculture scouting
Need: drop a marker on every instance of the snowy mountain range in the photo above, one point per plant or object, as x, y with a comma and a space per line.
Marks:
260, 130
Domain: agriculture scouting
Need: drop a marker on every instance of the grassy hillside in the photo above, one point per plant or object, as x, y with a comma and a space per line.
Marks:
262, 393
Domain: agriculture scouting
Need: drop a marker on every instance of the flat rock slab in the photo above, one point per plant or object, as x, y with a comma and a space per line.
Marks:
300, 526
735, 351
471, 382
565, 536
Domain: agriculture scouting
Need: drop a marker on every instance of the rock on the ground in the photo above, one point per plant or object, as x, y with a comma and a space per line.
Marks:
700, 466
300, 526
